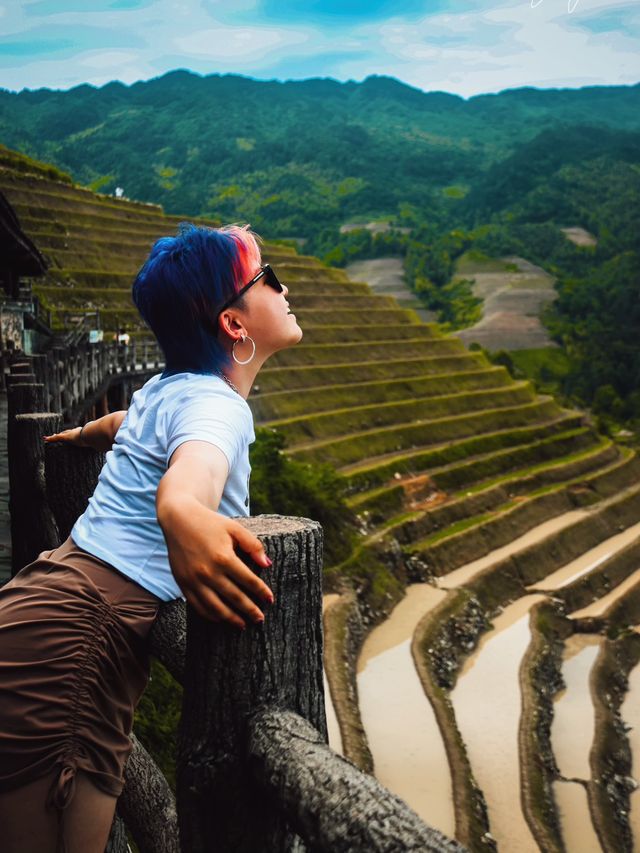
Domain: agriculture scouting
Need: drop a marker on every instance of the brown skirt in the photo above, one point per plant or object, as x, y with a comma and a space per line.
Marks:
73, 665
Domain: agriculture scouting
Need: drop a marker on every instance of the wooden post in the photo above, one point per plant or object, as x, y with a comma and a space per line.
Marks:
71, 474
55, 380
228, 675
24, 398
22, 378
64, 380
33, 528
4, 367
40, 369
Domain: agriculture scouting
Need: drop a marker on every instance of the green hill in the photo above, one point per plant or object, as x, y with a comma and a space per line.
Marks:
296, 157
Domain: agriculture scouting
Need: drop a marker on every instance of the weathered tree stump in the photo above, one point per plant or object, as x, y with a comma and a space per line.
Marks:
24, 398
228, 675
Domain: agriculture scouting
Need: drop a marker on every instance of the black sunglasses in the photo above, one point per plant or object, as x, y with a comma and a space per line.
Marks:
270, 279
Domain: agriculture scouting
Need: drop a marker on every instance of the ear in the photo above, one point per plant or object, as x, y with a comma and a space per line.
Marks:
230, 324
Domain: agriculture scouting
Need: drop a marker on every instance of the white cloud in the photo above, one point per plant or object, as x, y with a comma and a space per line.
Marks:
504, 46
107, 59
241, 43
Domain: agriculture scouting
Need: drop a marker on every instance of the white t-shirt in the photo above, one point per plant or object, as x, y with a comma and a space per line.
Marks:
120, 524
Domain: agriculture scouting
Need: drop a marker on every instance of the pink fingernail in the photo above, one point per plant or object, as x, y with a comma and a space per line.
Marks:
268, 561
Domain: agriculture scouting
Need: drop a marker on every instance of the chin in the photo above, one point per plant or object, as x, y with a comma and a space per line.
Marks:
296, 334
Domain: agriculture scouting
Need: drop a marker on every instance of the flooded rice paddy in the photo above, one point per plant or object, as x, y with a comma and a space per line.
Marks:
404, 737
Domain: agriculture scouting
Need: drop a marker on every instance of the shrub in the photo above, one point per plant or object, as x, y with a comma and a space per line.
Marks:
156, 720
285, 486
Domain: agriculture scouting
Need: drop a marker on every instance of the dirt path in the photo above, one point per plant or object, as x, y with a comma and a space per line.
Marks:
335, 739
462, 575
590, 560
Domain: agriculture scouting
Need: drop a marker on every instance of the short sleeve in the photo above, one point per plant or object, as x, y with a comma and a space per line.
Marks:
208, 414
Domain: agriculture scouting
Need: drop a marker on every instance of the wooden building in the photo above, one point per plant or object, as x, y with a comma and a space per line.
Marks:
22, 324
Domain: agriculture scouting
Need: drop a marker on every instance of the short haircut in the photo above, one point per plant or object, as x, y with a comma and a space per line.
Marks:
183, 282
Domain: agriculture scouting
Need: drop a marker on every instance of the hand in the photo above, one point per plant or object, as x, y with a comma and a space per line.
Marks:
213, 578
70, 436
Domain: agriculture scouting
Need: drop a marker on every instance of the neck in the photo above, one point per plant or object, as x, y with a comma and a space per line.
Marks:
243, 375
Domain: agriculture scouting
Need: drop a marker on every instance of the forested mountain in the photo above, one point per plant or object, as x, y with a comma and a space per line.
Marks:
295, 157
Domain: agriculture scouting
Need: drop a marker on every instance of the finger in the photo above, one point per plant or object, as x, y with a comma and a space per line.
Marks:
58, 436
210, 606
250, 544
240, 602
239, 573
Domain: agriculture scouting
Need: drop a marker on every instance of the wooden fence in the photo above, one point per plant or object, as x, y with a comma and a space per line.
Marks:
77, 379
255, 773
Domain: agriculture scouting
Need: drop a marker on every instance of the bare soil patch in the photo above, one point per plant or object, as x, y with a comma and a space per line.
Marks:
513, 300
579, 236
386, 277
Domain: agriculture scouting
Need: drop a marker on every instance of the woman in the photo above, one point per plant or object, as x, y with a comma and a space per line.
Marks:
74, 623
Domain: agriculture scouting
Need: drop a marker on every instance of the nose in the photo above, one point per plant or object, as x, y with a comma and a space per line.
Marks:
285, 289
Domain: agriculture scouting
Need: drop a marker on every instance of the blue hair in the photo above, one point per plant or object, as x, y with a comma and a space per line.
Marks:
183, 281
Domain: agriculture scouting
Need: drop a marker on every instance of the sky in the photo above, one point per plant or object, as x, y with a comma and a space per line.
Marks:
466, 47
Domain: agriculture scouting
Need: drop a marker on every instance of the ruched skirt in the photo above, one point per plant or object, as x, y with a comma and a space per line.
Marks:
73, 665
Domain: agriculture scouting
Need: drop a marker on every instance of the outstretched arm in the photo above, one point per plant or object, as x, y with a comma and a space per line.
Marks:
201, 543
98, 434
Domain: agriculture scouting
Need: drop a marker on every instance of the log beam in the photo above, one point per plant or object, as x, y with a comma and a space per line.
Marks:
330, 802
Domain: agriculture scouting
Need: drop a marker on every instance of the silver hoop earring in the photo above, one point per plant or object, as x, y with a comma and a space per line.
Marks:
242, 340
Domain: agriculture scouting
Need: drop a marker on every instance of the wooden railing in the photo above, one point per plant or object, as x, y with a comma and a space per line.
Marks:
255, 773
77, 378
